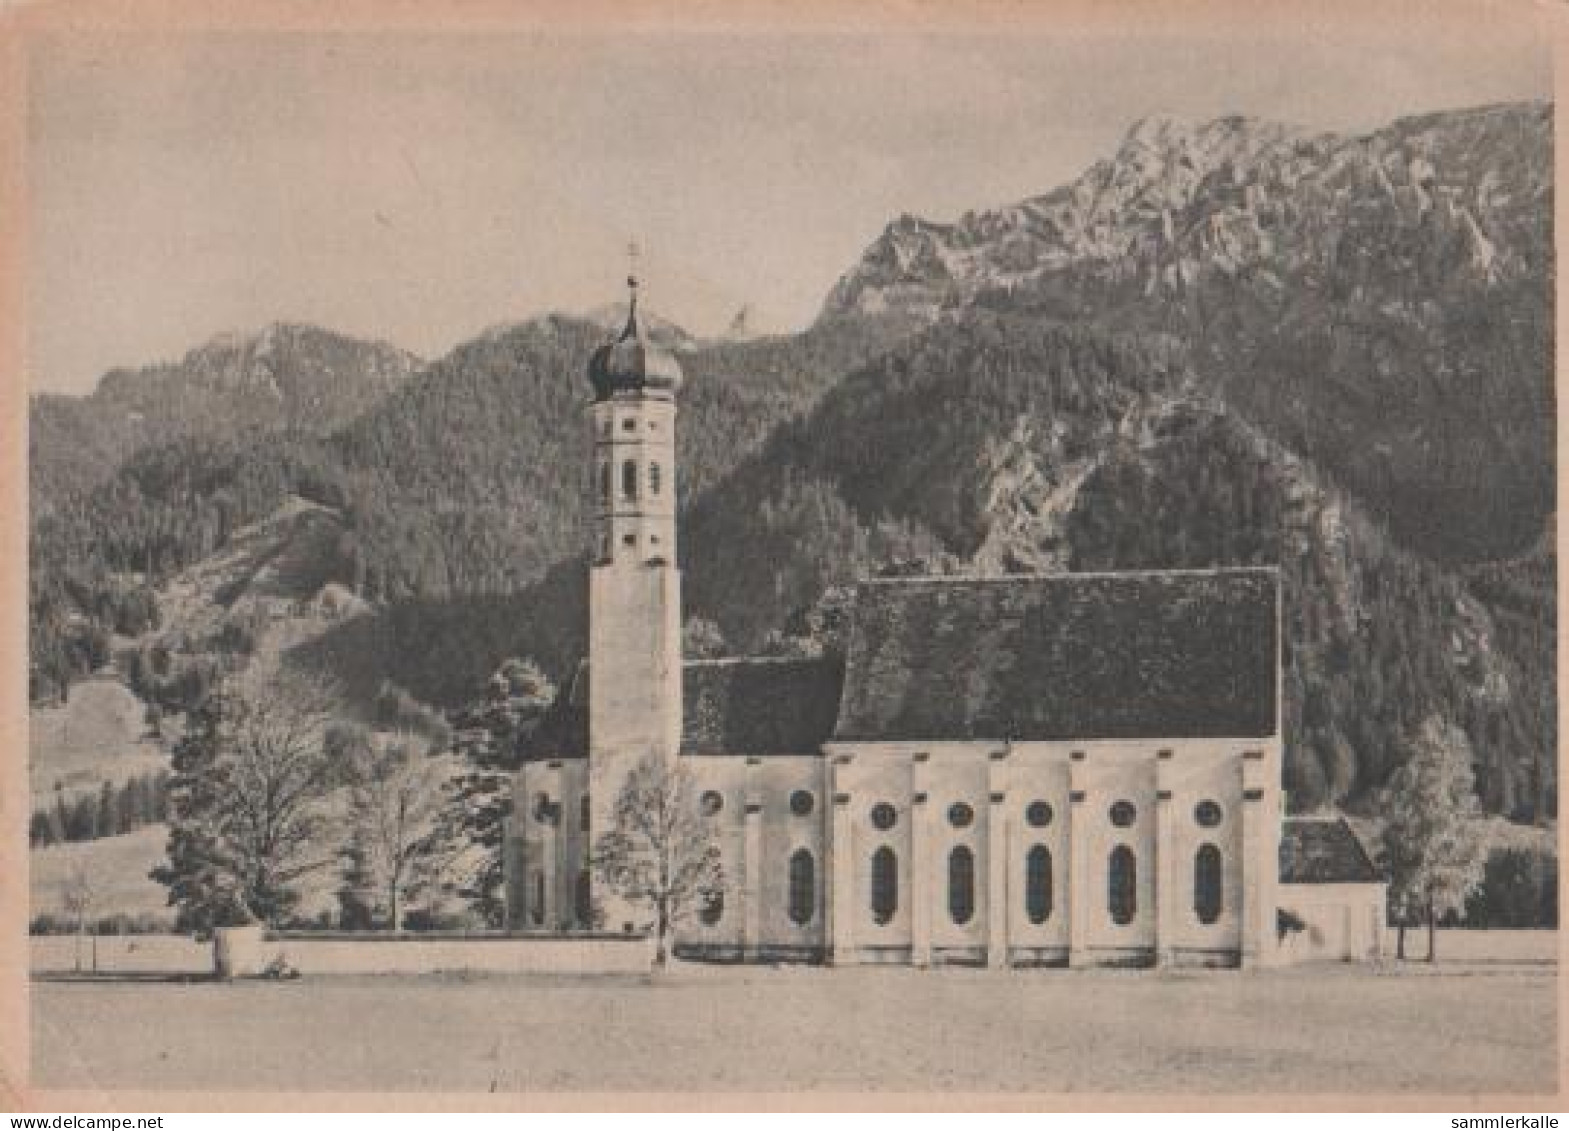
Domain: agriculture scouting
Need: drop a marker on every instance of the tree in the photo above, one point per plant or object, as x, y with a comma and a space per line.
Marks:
701, 639
660, 853
395, 849
78, 900
245, 803
490, 737
1436, 855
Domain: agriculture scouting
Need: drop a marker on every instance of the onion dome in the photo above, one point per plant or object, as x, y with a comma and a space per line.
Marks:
632, 363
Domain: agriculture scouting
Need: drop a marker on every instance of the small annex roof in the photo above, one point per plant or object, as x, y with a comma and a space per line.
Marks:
759, 705
754, 705
1165, 654
1324, 850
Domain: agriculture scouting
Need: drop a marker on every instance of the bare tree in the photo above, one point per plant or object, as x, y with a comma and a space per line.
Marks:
78, 899
246, 798
661, 853
396, 848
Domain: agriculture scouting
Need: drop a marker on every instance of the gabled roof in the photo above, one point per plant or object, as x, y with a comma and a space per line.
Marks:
1169, 654
751, 705
1323, 850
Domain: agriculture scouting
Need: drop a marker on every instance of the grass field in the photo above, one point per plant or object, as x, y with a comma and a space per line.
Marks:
1447, 1029
116, 866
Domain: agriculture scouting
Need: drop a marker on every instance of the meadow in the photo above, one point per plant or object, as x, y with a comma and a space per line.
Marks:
1477, 1023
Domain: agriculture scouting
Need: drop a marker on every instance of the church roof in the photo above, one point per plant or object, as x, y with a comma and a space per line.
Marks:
1169, 654
759, 705
632, 363
1323, 850
752, 705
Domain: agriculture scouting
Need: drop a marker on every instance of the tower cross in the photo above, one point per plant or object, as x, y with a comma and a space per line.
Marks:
634, 253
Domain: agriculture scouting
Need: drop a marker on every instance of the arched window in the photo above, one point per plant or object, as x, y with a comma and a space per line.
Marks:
803, 887
885, 885
629, 478
1037, 884
584, 900
537, 910
653, 479
713, 907
961, 884
1122, 897
1208, 891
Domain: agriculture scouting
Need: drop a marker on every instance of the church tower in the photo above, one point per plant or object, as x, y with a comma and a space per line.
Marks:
634, 634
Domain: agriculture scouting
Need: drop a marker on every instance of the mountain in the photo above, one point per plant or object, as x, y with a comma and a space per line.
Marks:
997, 443
289, 378
1229, 343
1382, 303
459, 483
611, 317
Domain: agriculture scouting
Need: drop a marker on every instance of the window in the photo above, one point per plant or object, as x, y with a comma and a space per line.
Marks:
712, 803
582, 813
1207, 813
1123, 814
544, 811
628, 424
961, 885
713, 907
629, 540
1038, 814
1037, 884
584, 900
960, 815
1207, 887
1122, 897
629, 479
653, 479
801, 803
537, 904
604, 483
884, 816
604, 547
803, 886
885, 885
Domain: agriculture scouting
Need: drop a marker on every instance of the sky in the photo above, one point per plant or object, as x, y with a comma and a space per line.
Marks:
419, 189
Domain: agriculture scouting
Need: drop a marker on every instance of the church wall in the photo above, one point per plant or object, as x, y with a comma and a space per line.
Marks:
758, 832
1079, 784
550, 846
783, 832
954, 785
1038, 777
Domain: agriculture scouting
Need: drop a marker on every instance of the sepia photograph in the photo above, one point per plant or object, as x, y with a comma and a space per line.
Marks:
999, 552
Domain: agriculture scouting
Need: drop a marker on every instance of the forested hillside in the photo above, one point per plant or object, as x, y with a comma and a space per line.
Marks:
1227, 344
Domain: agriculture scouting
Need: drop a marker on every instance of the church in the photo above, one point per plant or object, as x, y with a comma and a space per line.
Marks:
1070, 769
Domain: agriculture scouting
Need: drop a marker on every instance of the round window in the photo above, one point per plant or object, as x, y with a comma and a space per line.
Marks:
1123, 814
884, 816
712, 802
1207, 813
960, 815
1038, 814
801, 803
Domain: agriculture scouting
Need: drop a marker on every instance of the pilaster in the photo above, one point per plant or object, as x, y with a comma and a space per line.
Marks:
1080, 898
842, 853
752, 861
999, 853
1165, 862
921, 878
